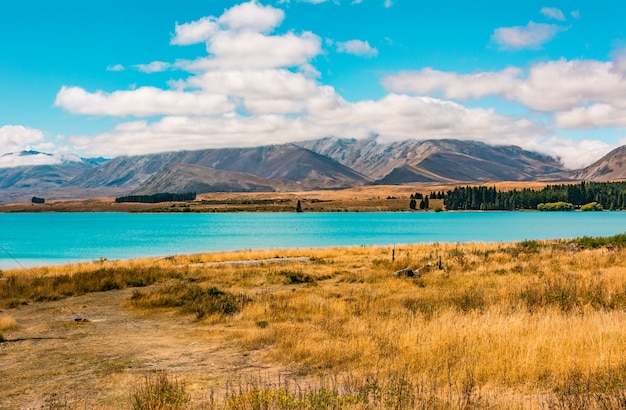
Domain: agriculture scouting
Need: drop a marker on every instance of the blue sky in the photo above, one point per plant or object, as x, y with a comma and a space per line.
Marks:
107, 78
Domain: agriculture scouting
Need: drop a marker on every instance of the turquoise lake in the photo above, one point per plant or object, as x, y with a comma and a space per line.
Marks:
59, 238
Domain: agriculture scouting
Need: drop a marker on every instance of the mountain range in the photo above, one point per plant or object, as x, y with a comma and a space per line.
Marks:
328, 163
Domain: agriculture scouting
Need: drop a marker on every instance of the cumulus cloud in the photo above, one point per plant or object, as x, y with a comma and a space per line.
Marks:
562, 85
553, 13
153, 67
260, 91
533, 35
592, 116
115, 67
582, 93
250, 16
323, 113
14, 139
142, 102
454, 86
18, 138
256, 87
195, 32
572, 153
356, 47
256, 50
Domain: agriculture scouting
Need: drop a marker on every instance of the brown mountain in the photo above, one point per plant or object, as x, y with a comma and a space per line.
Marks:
611, 167
272, 163
196, 178
328, 163
437, 160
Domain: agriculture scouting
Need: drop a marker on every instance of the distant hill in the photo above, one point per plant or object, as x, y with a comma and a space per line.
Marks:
286, 162
437, 160
196, 178
611, 167
328, 163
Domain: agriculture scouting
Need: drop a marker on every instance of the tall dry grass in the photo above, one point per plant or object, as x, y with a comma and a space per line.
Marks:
527, 325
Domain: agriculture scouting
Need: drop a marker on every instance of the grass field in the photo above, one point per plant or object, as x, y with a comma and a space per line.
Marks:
537, 325
361, 199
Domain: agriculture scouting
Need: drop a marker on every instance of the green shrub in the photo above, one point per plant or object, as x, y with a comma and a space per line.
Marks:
555, 206
598, 242
592, 206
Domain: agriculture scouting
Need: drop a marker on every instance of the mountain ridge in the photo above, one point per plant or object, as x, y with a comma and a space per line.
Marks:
327, 163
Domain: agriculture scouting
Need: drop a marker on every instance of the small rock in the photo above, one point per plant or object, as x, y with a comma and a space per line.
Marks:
407, 272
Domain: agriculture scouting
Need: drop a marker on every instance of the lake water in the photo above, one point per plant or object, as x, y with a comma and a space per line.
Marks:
58, 238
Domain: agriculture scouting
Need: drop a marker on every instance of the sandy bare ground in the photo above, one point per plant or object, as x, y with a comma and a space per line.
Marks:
53, 359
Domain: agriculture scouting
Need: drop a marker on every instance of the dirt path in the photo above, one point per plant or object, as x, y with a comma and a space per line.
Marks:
52, 359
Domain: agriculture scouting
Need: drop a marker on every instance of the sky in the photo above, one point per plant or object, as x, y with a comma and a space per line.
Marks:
116, 77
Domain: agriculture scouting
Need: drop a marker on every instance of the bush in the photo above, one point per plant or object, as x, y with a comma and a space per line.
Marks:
18, 290
598, 242
190, 298
591, 206
160, 392
555, 206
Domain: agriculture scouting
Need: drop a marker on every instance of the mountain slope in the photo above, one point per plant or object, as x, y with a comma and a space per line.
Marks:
196, 178
327, 163
279, 162
435, 160
611, 167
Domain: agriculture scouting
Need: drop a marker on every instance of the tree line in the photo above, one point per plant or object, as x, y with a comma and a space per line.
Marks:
155, 198
609, 195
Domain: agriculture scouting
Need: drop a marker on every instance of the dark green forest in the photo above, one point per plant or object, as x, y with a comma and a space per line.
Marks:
156, 198
609, 195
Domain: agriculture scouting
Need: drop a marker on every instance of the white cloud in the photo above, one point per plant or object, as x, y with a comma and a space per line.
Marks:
573, 154
357, 47
255, 50
17, 160
153, 67
592, 116
250, 16
562, 85
256, 87
18, 138
453, 85
115, 67
261, 91
325, 113
553, 13
581, 93
195, 32
14, 139
575, 14
388, 3
532, 36
142, 102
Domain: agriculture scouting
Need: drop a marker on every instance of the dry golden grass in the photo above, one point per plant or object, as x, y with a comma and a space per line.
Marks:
7, 323
364, 198
528, 325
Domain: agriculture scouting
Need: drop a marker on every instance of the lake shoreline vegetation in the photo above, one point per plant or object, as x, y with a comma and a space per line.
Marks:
532, 324
504, 196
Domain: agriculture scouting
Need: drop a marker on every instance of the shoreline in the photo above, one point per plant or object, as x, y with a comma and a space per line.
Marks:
377, 198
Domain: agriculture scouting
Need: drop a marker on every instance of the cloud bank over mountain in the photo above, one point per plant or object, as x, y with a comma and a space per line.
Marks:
257, 82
